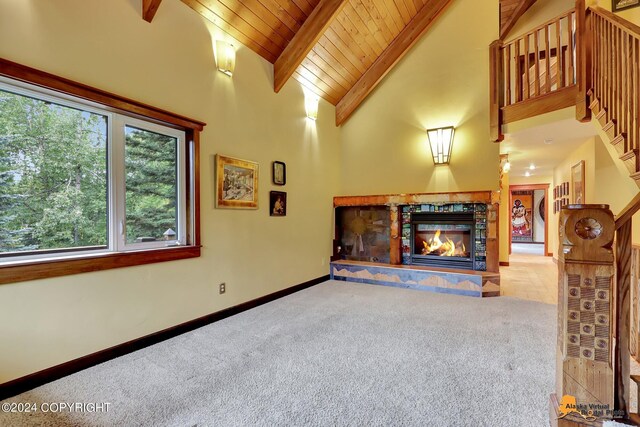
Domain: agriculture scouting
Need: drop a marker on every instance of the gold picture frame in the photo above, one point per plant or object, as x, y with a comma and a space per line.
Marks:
236, 183
577, 183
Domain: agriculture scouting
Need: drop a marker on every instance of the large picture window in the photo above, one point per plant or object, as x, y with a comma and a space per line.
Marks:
81, 179
67, 168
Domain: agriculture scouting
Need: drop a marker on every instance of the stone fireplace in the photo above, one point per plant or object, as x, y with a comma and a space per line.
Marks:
444, 242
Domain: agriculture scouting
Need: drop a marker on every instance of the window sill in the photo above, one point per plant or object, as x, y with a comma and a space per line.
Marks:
42, 269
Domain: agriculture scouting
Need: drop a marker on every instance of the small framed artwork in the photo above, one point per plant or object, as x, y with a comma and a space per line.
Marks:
555, 206
555, 193
560, 189
565, 202
279, 173
577, 182
618, 5
277, 203
236, 183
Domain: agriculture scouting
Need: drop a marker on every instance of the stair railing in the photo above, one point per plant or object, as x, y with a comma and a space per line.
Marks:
615, 73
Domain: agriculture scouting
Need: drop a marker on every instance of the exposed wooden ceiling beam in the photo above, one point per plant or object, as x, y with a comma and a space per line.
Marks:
520, 9
389, 58
304, 40
149, 9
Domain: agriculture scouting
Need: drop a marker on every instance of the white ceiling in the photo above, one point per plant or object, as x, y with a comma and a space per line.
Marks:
527, 146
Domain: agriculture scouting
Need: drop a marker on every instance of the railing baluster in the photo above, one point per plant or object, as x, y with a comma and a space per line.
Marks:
547, 57
527, 66
636, 93
597, 73
616, 78
605, 64
536, 44
570, 49
518, 68
626, 95
507, 74
559, 56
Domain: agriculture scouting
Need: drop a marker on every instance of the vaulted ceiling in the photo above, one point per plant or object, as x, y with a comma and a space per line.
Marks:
510, 12
339, 49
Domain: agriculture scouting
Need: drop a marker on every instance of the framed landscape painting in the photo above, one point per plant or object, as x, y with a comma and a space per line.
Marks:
618, 5
236, 183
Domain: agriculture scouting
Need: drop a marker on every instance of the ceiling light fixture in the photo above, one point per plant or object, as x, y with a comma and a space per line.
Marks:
532, 167
441, 142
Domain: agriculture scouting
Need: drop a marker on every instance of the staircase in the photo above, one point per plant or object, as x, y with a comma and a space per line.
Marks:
588, 58
614, 51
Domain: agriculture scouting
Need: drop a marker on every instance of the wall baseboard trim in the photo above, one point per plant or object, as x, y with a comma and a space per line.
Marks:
504, 264
31, 381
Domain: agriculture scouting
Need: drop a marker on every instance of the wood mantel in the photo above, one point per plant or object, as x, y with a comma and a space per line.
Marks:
488, 197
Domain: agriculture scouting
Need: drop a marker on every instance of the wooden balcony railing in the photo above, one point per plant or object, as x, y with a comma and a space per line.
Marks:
537, 72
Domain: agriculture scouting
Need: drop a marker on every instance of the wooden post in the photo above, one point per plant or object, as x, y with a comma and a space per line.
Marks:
584, 40
496, 85
395, 241
623, 307
635, 278
585, 366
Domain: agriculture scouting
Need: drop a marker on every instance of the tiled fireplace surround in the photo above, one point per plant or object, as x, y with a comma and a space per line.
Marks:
376, 266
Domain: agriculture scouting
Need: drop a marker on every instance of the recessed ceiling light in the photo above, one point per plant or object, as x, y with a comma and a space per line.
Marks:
548, 141
532, 166
527, 173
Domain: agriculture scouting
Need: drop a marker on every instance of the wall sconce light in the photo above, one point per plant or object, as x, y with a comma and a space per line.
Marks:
505, 165
441, 141
225, 57
311, 101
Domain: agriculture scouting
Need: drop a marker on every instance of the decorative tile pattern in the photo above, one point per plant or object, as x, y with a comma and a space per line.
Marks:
480, 217
435, 281
588, 317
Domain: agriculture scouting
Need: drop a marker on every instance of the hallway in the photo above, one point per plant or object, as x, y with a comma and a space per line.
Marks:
530, 277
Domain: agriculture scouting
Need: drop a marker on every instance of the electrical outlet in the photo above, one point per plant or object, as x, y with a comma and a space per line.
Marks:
223, 288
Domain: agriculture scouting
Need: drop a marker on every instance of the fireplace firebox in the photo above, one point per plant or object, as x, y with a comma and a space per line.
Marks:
443, 240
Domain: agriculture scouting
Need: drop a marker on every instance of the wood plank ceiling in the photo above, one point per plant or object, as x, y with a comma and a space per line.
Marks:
339, 49
510, 12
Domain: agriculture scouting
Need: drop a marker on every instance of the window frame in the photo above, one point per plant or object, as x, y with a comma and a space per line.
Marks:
119, 168
23, 268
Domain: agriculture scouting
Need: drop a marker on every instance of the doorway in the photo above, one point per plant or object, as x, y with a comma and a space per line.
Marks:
529, 222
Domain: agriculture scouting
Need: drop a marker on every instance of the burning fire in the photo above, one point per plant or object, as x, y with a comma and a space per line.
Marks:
436, 246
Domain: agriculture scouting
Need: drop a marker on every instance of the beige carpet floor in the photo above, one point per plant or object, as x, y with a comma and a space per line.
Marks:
336, 354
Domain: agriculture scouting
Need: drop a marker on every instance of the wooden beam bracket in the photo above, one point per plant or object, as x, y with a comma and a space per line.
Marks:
304, 40
149, 9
